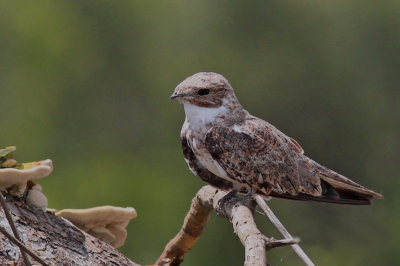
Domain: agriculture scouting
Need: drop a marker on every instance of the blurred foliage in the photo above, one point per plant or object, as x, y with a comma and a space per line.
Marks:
87, 84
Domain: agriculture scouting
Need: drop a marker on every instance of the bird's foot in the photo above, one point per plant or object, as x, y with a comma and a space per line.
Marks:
226, 203
249, 199
229, 198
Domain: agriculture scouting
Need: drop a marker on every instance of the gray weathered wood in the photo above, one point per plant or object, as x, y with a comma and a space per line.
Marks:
53, 239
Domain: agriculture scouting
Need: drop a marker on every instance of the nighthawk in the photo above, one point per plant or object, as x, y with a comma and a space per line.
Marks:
230, 149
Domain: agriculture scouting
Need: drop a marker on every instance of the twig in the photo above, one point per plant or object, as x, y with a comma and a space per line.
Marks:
12, 225
22, 246
272, 243
237, 212
275, 221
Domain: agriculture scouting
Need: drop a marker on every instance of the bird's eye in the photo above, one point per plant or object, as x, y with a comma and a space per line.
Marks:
203, 92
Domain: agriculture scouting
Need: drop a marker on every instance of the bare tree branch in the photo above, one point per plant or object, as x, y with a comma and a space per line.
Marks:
237, 211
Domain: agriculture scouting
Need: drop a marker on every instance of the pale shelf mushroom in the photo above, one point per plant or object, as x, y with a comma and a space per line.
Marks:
14, 180
36, 197
107, 223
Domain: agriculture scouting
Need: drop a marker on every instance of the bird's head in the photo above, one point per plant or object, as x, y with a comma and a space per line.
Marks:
206, 89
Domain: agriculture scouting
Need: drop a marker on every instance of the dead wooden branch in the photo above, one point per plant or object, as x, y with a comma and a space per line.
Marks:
237, 211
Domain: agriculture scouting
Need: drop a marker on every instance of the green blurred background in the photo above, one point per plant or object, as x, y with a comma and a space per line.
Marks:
87, 84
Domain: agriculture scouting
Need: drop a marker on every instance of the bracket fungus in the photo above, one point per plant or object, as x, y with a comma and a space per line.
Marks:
107, 223
15, 176
36, 197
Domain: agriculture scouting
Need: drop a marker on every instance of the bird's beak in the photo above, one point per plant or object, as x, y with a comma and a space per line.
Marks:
176, 95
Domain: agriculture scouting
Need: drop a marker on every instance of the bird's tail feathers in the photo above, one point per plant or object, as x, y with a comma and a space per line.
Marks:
344, 185
335, 188
331, 196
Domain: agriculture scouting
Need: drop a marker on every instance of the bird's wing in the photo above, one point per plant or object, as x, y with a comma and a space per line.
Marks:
260, 155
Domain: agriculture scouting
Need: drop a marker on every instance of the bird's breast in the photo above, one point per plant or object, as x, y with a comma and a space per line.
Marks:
196, 142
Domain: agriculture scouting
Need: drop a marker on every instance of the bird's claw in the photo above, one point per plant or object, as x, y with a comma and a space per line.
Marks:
227, 199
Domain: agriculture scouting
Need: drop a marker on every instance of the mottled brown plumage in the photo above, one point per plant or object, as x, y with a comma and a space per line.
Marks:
231, 149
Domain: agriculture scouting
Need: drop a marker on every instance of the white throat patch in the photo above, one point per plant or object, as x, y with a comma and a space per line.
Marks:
202, 115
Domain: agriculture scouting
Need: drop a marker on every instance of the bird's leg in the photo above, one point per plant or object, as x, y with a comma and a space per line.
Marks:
250, 192
236, 187
228, 198
249, 198
231, 198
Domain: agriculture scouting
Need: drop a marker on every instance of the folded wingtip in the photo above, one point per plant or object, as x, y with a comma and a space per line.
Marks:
378, 196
